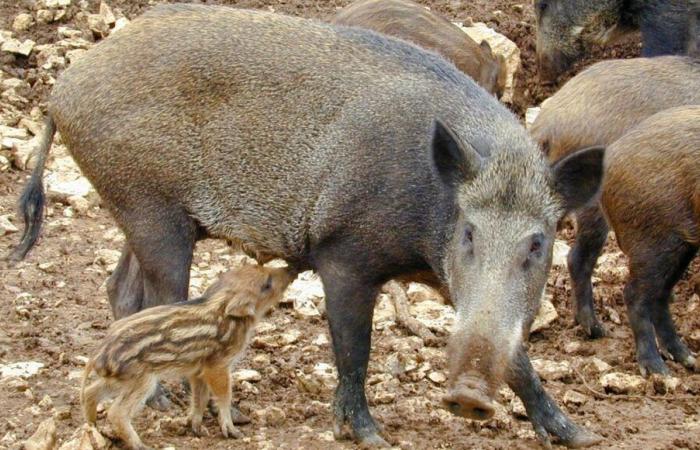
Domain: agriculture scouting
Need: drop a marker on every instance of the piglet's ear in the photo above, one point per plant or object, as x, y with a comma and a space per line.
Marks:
456, 164
578, 177
241, 306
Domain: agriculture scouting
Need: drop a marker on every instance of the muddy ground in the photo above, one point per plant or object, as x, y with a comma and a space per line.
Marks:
53, 310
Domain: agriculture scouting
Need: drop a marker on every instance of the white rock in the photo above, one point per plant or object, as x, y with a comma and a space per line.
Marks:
85, 438
17, 47
552, 370
433, 315
79, 204
44, 438
60, 187
307, 286
599, 365
65, 32
22, 22
75, 54
321, 340
518, 408
4, 163
304, 307
531, 115
45, 16
622, 383
290, 337
23, 153
106, 257
437, 377
107, 14
97, 25
384, 312
574, 398
418, 292
545, 316
246, 375
25, 369
12, 132
271, 416
499, 45
120, 23
559, 253
56, 3
6, 227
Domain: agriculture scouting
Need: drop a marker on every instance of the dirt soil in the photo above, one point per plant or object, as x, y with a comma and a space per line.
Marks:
53, 309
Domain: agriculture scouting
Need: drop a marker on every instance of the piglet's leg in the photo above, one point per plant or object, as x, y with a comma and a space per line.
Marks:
200, 398
219, 381
127, 404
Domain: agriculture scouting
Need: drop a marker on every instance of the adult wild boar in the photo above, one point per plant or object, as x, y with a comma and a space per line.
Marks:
338, 149
566, 27
597, 107
650, 196
410, 21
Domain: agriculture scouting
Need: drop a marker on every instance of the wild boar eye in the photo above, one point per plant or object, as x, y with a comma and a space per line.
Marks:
468, 235
536, 245
541, 6
268, 284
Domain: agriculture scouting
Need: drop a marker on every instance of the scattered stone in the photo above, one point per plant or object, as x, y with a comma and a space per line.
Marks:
85, 438
25, 369
107, 14
23, 155
552, 370
307, 286
321, 340
44, 438
18, 384
599, 365
106, 257
531, 115
613, 315
79, 204
574, 398
63, 413
665, 384
560, 253
437, 377
73, 55
622, 383
4, 163
545, 316
120, 23
48, 267
45, 16
7, 227
517, 408
11, 132
246, 375
271, 416
290, 337
418, 292
437, 317
96, 23
19, 48
573, 347
60, 187
22, 22
46, 402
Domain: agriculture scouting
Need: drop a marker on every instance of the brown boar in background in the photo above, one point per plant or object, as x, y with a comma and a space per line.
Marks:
651, 197
412, 22
199, 339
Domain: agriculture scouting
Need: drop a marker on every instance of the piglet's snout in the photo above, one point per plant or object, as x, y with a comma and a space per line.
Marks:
468, 398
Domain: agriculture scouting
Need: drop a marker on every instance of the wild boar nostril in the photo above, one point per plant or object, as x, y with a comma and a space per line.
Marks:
481, 413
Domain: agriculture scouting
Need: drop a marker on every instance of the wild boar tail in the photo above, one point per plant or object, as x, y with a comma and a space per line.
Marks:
31, 202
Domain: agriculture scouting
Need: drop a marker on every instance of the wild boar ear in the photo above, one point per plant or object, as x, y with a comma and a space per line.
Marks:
241, 306
486, 46
454, 163
578, 176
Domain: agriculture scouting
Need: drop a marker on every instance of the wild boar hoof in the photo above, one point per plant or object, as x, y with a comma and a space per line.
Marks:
652, 365
595, 330
583, 438
238, 417
230, 431
371, 440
